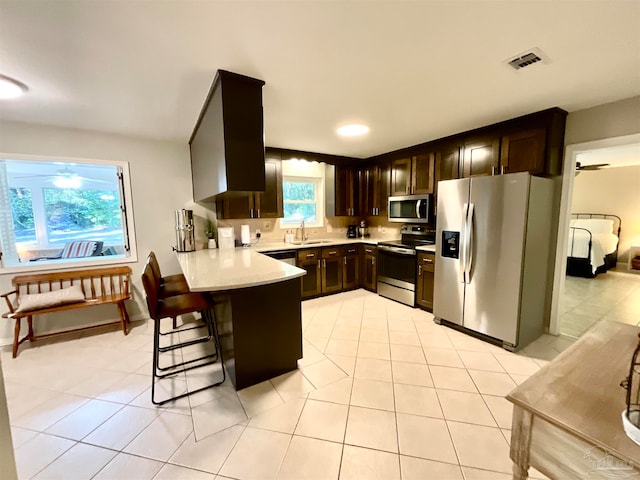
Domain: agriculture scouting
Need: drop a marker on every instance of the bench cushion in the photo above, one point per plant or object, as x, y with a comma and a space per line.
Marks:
35, 301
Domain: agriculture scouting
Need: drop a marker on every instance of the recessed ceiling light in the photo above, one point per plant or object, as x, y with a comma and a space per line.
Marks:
352, 130
10, 88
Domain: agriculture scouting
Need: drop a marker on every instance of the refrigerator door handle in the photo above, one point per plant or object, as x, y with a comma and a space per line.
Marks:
463, 246
469, 243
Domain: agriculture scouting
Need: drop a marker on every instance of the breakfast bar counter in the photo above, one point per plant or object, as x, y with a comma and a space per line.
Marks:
218, 270
257, 310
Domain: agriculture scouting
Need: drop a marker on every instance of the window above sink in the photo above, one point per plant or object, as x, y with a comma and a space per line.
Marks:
303, 193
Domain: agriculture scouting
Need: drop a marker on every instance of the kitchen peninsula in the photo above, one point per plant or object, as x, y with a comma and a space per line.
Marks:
257, 310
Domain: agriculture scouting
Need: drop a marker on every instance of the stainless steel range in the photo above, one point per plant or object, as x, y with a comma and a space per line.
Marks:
397, 263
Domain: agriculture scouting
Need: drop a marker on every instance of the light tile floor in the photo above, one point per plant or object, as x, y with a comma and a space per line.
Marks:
381, 393
614, 295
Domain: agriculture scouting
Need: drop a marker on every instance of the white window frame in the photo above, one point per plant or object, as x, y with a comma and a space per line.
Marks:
319, 201
87, 262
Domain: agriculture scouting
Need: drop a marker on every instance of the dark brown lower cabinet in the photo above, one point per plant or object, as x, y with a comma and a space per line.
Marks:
331, 270
351, 268
369, 267
310, 261
424, 285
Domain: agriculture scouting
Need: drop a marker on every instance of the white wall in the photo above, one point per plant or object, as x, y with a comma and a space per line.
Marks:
160, 183
611, 190
609, 120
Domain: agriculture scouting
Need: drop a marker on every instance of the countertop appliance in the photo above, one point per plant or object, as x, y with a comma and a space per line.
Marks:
397, 263
352, 231
185, 234
226, 238
493, 249
411, 209
363, 230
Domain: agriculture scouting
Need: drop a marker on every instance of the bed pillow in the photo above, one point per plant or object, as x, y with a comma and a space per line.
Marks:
35, 301
594, 225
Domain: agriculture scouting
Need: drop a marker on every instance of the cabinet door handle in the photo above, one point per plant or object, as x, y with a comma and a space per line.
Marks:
503, 169
318, 264
324, 263
373, 260
427, 260
333, 252
251, 213
311, 255
419, 270
493, 170
258, 214
345, 260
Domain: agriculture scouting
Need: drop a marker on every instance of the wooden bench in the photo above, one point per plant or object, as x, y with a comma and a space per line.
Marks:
99, 286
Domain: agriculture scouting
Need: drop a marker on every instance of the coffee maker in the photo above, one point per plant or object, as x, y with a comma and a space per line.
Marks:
352, 231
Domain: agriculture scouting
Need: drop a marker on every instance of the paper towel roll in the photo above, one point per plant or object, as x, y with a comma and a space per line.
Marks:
245, 235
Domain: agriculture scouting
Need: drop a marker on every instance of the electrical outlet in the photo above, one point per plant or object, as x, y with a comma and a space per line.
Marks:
258, 232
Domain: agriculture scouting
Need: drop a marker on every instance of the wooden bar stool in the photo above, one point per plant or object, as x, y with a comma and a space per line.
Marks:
172, 307
170, 286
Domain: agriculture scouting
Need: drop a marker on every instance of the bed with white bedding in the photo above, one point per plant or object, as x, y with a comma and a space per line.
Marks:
593, 243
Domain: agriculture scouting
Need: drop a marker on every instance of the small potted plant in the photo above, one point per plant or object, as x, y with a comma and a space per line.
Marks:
210, 232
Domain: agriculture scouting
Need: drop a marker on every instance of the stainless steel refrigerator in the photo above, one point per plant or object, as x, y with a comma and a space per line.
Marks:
493, 255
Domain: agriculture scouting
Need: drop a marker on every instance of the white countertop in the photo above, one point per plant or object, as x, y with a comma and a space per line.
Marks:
271, 246
218, 270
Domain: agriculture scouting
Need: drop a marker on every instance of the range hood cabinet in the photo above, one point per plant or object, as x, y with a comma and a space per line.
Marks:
227, 143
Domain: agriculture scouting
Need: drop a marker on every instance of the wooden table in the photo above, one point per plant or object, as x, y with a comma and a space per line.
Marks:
567, 417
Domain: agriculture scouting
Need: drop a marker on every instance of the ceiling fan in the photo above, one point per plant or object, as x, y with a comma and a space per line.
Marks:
64, 178
595, 166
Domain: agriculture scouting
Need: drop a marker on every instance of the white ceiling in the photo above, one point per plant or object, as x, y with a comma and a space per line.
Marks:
620, 156
413, 71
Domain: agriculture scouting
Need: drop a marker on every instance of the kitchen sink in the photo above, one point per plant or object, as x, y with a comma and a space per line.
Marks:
310, 242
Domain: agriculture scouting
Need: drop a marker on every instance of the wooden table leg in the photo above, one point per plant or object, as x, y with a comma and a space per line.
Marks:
520, 442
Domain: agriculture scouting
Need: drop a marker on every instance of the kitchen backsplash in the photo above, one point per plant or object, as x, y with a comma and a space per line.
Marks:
335, 227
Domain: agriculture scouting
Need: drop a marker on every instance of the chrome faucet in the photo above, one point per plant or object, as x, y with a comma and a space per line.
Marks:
303, 235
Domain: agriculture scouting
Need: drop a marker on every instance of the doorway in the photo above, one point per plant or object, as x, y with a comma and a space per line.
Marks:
578, 303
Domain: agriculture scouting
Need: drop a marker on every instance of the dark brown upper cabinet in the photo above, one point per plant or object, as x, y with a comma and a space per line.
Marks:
422, 169
267, 204
401, 176
374, 190
524, 152
481, 156
531, 143
346, 191
447, 163
413, 175
227, 143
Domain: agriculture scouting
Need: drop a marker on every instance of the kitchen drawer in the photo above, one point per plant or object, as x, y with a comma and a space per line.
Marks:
309, 254
331, 252
427, 261
352, 250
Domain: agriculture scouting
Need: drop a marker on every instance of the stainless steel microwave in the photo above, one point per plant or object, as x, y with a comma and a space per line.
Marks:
410, 209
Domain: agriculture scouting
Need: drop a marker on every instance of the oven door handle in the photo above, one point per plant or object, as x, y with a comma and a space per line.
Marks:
398, 250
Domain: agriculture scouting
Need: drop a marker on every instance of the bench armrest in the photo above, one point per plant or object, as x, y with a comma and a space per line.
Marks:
6, 298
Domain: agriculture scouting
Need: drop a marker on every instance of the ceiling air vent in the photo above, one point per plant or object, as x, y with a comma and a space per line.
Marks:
531, 56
